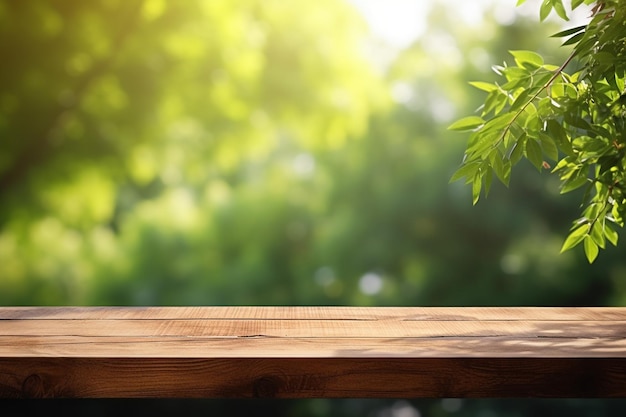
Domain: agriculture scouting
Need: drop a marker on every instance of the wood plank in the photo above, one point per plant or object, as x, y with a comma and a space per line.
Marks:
313, 328
304, 352
317, 313
300, 378
266, 347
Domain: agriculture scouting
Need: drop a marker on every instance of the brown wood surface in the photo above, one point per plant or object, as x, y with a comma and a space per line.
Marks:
305, 352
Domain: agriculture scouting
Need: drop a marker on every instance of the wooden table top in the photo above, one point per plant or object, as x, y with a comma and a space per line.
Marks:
312, 352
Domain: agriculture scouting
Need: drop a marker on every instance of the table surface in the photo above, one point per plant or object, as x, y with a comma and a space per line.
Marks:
312, 352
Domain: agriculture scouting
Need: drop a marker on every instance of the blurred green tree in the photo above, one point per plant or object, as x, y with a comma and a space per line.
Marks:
109, 108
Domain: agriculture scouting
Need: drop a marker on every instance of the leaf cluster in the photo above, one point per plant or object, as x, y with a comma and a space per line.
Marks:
572, 115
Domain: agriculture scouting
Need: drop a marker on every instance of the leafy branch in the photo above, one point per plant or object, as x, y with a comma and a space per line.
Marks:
578, 120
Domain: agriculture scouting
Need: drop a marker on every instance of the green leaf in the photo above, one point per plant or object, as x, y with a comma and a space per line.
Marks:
501, 103
488, 181
597, 234
593, 210
574, 39
568, 32
617, 215
556, 131
518, 150
518, 77
533, 153
557, 90
575, 237
605, 58
545, 9
476, 185
595, 146
532, 123
610, 234
545, 108
573, 184
467, 123
502, 168
592, 207
560, 9
565, 162
521, 100
482, 143
549, 147
591, 249
541, 79
509, 138
488, 87
577, 121
500, 121
495, 102
467, 170
522, 57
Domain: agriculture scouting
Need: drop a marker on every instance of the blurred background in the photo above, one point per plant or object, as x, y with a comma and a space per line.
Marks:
267, 152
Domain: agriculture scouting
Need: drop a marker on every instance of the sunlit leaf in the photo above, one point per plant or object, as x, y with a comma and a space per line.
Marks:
575, 237
545, 9
495, 102
484, 142
560, 9
517, 76
488, 87
522, 57
500, 121
467, 123
591, 249
610, 234
597, 234
521, 100
467, 170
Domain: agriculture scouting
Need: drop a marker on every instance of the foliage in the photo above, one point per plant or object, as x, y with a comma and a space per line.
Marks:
573, 114
122, 119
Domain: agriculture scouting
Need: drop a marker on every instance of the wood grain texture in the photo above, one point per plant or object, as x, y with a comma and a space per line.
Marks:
311, 352
317, 313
